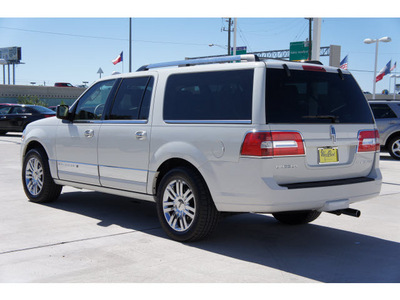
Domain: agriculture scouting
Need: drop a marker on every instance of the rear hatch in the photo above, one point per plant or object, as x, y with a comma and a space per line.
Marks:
321, 127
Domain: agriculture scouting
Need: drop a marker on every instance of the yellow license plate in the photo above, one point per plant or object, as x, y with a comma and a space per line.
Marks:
327, 155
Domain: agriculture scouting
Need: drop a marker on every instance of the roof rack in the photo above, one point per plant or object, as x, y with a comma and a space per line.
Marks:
201, 61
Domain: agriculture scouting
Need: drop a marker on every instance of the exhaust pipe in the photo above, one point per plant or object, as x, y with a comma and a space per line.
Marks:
348, 211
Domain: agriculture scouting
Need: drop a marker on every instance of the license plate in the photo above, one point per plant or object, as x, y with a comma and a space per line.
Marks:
328, 155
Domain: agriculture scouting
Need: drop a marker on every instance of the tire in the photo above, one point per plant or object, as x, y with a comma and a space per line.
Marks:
393, 147
297, 217
38, 184
185, 208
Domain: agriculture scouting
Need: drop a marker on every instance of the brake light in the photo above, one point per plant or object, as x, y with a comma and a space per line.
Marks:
275, 143
368, 140
48, 116
313, 68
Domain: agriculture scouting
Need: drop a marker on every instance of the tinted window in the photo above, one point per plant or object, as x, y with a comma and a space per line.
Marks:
132, 101
20, 110
225, 95
382, 111
91, 104
4, 110
314, 97
43, 110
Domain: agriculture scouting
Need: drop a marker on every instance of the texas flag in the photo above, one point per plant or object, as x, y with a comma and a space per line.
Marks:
118, 59
394, 66
343, 63
384, 71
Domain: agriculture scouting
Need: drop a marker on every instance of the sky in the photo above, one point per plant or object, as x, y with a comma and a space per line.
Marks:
72, 48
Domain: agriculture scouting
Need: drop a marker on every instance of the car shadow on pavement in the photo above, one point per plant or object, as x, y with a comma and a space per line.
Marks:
312, 251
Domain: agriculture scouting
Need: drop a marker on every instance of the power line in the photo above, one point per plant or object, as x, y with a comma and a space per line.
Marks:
101, 37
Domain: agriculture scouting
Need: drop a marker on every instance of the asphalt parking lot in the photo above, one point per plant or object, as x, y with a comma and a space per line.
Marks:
92, 237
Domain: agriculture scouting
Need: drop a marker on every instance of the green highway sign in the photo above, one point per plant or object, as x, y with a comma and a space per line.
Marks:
298, 51
240, 50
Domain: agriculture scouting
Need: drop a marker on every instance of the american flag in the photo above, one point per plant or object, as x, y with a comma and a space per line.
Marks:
343, 63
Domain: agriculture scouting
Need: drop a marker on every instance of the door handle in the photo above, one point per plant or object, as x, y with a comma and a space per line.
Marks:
141, 135
89, 133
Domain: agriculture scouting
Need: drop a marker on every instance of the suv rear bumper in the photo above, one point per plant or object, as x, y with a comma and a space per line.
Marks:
251, 191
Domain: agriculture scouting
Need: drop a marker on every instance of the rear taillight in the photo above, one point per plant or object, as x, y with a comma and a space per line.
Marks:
48, 116
368, 140
313, 68
275, 143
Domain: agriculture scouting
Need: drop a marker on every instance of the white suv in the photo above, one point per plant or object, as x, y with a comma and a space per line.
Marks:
207, 137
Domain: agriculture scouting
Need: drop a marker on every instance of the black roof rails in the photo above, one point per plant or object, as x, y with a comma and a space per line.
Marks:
201, 61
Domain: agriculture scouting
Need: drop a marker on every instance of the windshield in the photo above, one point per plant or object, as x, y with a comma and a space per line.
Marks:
314, 97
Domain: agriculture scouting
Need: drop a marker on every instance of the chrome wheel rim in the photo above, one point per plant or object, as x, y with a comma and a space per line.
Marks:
34, 176
179, 205
396, 148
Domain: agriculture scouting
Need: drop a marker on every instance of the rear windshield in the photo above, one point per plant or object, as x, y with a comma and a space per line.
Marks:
314, 97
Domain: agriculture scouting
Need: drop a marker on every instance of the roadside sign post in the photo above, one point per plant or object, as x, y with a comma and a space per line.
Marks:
100, 71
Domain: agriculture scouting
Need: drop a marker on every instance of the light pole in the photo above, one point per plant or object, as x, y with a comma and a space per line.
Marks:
394, 88
216, 45
385, 39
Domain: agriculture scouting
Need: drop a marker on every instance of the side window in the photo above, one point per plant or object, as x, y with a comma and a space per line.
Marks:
4, 110
91, 105
382, 111
132, 101
18, 110
222, 95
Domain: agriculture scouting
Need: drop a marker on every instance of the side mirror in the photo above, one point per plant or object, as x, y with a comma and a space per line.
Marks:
63, 112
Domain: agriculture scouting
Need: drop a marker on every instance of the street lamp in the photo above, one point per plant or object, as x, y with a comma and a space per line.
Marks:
385, 39
394, 89
216, 45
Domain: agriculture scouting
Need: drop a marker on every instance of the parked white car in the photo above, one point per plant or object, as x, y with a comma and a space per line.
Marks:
291, 139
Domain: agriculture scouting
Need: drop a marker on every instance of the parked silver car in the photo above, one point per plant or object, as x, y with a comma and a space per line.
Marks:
387, 117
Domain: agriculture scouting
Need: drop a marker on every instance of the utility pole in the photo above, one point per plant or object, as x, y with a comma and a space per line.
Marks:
229, 34
309, 37
130, 45
316, 41
234, 35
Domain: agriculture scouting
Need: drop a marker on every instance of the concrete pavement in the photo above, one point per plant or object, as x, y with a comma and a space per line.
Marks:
92, 237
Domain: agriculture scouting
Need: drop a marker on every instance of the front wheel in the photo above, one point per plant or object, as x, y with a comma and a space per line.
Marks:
297, 217
394, 147
185, 207
36, 178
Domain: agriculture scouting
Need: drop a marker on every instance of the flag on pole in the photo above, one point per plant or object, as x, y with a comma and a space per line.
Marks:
385, 70
343, 63
118, 59
394, 66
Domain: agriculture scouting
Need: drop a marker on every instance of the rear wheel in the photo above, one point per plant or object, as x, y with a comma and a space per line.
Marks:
297, 217
394, 147
185, 207
36, 178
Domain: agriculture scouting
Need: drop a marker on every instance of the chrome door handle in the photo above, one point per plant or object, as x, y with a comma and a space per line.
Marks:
89, 133
141, 135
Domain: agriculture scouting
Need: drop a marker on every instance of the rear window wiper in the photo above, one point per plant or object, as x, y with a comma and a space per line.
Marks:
333, 118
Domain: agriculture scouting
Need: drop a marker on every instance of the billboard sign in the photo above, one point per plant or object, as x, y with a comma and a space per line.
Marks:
11, 54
